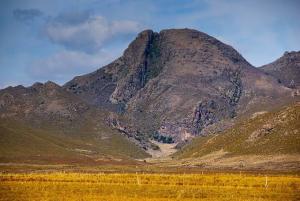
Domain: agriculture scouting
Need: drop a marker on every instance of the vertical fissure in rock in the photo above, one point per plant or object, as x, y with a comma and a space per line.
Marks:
149, 68
237, 87
203, 116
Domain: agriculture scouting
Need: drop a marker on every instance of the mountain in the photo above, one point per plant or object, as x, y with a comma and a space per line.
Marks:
286, 69
45, 123
170, 86
167, 87
268, 136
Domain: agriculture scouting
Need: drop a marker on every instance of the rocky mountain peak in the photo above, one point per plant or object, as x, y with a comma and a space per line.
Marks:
193, 39
175, 53
37, 85
175, 83
51, 85
291, 54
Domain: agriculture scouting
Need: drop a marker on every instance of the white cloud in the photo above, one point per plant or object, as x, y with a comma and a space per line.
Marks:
64, 65
86, 32
86, 40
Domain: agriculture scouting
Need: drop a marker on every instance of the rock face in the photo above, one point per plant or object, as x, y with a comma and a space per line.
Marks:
286, 69
116, 83
173, 84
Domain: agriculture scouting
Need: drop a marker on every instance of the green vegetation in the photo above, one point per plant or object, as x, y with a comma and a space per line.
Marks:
163, 139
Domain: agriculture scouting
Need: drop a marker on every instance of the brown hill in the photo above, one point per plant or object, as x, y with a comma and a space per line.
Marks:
45, 123
42, 103
286, 69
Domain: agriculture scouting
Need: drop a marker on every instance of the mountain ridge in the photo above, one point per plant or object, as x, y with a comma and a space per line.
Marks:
169, 87
54, 125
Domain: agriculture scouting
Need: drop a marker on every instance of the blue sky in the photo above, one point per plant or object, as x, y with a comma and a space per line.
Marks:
56, 40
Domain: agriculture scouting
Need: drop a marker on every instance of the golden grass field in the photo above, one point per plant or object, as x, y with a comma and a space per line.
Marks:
148, 187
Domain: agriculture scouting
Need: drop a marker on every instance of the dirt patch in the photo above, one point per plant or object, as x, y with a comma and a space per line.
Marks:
164, 151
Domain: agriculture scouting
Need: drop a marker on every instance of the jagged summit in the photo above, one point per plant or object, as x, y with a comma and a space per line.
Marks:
51, 84
46, 85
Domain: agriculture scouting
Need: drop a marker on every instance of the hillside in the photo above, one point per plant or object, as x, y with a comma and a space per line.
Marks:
45, 123
265, 133
286, 69
21, 143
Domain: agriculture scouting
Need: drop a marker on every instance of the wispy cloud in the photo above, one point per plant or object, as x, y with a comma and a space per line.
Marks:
27, 15
61, 43
64, 65
82, 31
83, 39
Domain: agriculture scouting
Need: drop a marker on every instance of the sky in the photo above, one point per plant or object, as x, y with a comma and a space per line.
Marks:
55, 40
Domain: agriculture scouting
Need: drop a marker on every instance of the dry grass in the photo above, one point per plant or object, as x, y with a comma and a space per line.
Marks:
148, 187
273, 133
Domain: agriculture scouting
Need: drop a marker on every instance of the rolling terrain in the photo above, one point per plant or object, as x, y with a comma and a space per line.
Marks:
268, 140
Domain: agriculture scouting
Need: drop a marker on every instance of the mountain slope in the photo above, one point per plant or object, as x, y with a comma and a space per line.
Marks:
45, 123
266, 133
171, 85
286, 69
21, 143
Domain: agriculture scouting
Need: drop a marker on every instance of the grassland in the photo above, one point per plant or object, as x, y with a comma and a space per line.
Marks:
136, 187
91, 144
272, 133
